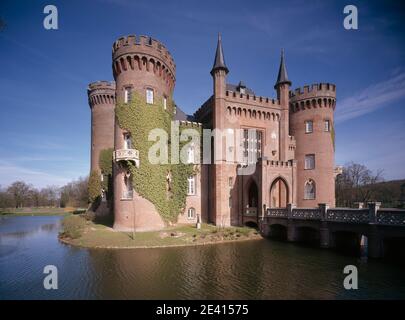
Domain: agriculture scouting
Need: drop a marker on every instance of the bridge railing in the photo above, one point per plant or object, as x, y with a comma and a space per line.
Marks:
306, 213
372, 214
391, 217
348, 215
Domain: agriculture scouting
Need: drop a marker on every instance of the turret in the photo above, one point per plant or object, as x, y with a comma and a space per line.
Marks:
142, 66
219, 211
101, 96
312, 125
282, 87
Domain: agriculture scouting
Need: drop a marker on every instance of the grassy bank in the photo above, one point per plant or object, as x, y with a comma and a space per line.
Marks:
42, 211
81, 232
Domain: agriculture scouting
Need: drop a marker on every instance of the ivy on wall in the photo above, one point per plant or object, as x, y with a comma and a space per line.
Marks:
151, 180
94, 186
105, 162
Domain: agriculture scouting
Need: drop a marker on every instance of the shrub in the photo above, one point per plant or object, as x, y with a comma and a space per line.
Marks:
73, 226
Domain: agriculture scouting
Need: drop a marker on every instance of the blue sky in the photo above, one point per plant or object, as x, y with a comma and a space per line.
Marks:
45, 118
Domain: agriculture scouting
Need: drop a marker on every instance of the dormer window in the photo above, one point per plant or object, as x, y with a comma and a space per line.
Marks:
242, 90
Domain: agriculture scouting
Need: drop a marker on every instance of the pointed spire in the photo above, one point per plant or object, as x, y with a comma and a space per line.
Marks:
219, 62
282, 72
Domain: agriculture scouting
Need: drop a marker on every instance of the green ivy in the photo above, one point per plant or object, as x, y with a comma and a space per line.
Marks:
149, 180
105, 163
94, 186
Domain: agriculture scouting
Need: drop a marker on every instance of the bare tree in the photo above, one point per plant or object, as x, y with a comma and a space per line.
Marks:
355, 184
20, 191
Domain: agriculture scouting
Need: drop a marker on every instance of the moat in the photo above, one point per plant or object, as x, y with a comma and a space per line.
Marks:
260, 269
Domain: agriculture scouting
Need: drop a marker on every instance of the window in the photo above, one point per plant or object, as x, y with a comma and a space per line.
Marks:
327, 125
191, 186
190, 154
101, 177
252, 145
149, 96
127, 190
309, 126
309, 190
230, 182
164, 103
309, 162
242, 90
230, 202
191, 213
127, 141
127, 94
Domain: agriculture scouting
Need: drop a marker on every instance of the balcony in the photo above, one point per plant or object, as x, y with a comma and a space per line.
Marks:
127, 155
251, 212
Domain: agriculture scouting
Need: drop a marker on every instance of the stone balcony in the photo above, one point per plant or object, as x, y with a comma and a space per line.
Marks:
127, 155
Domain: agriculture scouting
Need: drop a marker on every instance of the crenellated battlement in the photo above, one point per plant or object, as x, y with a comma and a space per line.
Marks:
101, 92
139, 53
313, 96
314, 90
258, 101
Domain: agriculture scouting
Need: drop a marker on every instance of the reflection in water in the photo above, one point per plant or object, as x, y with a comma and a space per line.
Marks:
261, 269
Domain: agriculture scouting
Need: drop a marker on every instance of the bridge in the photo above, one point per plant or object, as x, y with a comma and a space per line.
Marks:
372, 228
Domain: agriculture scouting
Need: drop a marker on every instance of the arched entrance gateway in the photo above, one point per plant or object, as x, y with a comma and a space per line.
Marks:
252, 203
279, 193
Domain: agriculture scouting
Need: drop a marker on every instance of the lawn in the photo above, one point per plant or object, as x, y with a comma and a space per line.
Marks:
81, 232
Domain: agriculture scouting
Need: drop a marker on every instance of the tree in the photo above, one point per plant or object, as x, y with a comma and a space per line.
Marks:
20, 191
355, 184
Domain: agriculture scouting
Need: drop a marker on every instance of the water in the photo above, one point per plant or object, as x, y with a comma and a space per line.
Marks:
262, 269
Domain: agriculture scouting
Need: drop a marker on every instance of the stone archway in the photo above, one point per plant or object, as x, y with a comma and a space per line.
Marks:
279, 193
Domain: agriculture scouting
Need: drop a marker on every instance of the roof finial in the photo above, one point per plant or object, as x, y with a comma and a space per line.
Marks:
282, 72
219, 62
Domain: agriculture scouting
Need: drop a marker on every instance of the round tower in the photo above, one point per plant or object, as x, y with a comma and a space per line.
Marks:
312, 125
144, 66
101, 96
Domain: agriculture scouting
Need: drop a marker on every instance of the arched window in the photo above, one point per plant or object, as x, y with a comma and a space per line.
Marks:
191, 213
191, 186
309, 190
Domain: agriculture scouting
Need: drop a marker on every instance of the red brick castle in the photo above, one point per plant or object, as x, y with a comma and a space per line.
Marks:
291, 152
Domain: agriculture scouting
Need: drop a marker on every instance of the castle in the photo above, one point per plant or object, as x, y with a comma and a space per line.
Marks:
288, 141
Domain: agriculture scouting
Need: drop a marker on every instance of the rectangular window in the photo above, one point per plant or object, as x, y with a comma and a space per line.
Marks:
127, 95
190, 154
149, 96
252, 145
309, 126
327, 125
309, 161
230, 182
191, 213
127, 141
191, 186
164, 103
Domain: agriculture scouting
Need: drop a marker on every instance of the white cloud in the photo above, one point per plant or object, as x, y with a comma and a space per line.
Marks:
10, 173
372, 98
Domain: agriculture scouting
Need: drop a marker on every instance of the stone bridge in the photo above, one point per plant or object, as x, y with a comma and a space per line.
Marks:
371, 228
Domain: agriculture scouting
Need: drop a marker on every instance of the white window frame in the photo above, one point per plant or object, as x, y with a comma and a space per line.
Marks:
252, 142
327, 125
309, 163
309, 126
191, 154
164, 103
191, 186
191, 213
310, 196
127, 94
127, 141
149, 96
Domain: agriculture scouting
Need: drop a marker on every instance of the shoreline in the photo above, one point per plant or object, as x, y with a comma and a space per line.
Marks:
80, 232
70, 243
